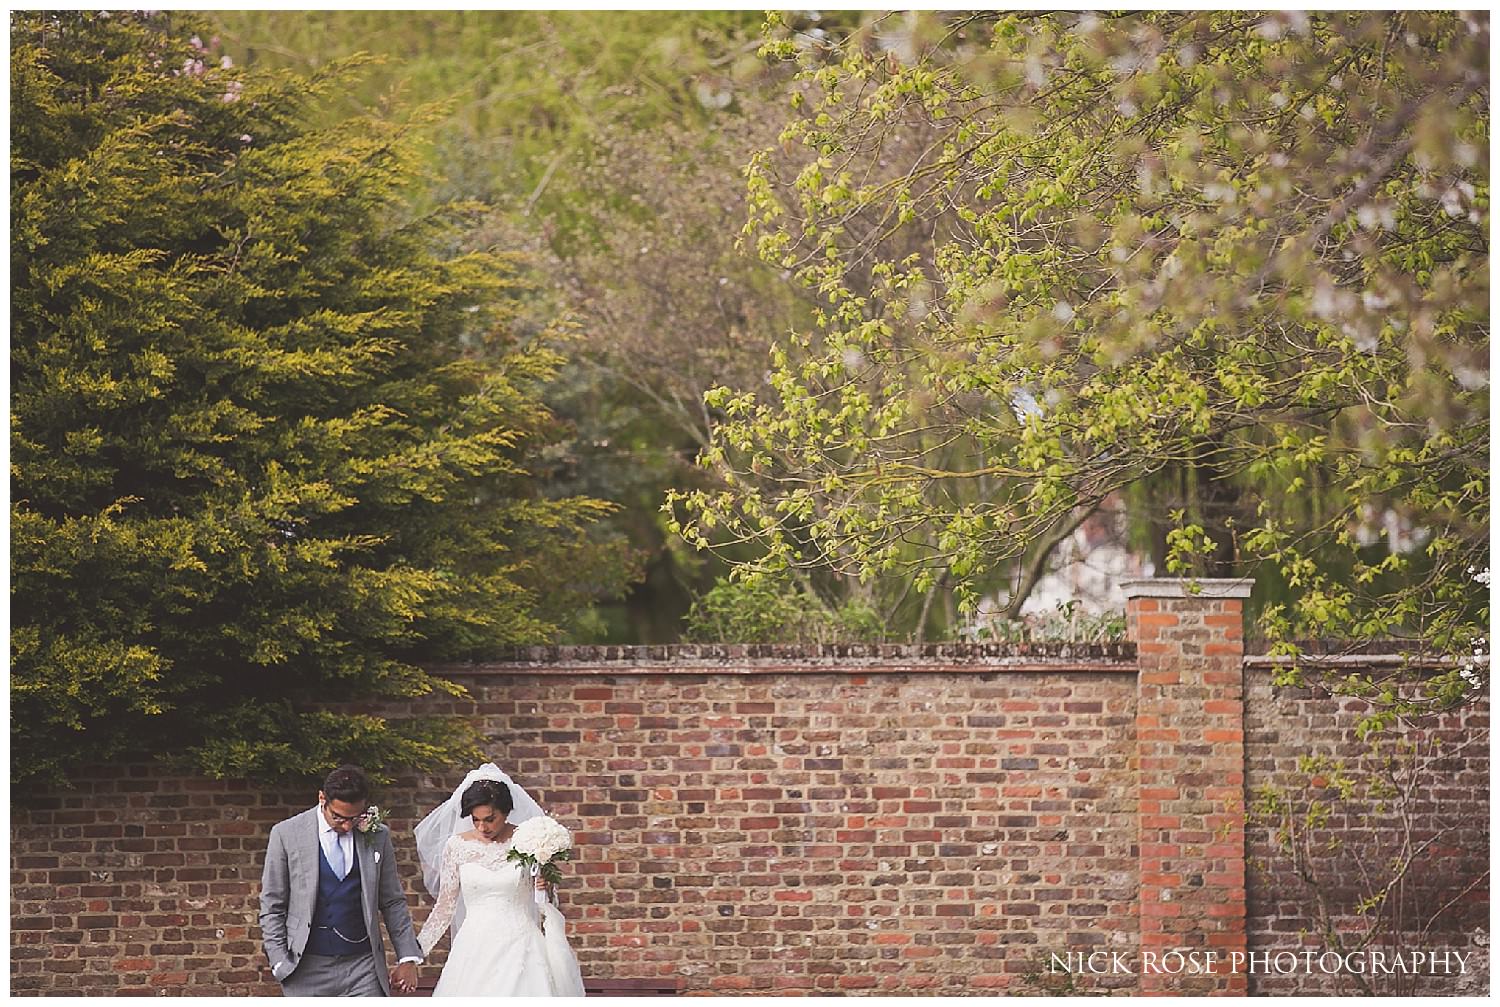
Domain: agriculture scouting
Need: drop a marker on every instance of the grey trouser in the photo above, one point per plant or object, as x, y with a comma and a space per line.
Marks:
329, 976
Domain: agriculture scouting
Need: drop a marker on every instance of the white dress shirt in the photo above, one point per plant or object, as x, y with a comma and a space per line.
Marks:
331, 837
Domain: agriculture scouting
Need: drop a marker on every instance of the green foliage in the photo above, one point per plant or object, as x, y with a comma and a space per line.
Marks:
529, 95
767, 609
270, 431
549, 872
1187, 545
1060, 256
610, 146
1067, 623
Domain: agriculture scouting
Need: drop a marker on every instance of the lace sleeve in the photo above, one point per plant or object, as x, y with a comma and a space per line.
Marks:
442, 913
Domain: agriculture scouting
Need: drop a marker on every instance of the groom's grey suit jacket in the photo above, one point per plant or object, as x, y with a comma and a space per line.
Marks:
289, 888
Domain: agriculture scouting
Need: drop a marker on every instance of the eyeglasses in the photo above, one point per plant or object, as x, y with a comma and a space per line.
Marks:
339, 819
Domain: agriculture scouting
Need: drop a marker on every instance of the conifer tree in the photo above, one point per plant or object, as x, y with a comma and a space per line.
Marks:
270, 430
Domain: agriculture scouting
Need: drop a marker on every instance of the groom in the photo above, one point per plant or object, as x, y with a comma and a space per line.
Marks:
323, 885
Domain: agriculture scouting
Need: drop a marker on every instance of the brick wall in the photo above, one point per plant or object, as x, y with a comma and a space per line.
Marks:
900, 824
800, 831
895, 820
1191, 746
140, 882
1434, 773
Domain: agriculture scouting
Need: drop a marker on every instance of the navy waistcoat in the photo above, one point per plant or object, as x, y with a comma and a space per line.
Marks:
338, 923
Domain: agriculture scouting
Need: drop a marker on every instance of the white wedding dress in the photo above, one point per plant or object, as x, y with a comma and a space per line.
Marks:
507, 945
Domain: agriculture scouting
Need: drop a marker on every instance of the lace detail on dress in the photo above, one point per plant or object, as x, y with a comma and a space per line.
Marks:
457, 852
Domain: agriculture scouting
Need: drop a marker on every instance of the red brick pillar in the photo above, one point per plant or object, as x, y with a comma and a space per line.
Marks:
1191, 747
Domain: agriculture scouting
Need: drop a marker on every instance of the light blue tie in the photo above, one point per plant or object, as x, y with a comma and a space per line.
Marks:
337, 862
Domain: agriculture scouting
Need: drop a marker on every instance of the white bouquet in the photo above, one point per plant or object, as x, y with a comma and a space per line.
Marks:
538, 844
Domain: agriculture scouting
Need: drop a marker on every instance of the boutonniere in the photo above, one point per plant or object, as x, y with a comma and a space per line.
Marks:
368, 825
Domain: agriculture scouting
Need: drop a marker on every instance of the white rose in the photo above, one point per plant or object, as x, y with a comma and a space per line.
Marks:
542, 838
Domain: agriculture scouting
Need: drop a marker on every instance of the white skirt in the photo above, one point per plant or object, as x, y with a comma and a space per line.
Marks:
507, 956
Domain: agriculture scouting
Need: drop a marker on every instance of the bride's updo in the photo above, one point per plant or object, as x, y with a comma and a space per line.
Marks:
480, 793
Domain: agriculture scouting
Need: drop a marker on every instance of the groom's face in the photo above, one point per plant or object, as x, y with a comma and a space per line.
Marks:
342, 815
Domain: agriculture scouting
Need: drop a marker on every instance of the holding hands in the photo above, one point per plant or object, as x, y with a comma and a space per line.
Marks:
404, 977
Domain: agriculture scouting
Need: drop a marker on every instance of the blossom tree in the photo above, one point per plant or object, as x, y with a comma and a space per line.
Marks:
1241, 253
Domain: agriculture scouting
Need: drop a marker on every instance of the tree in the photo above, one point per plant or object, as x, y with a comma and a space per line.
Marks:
528, 93
1242, 252
270, 430
765, 610
1377, 864
609, 149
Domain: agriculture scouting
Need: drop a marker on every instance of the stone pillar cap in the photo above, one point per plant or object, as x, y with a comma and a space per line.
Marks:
1182, 587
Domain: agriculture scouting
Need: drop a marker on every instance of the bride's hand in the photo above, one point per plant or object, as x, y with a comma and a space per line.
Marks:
541, 883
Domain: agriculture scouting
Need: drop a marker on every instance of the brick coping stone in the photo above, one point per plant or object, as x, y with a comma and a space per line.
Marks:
1207, 588
868, 658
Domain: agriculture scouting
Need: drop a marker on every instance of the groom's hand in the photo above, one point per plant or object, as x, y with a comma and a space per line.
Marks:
404, 978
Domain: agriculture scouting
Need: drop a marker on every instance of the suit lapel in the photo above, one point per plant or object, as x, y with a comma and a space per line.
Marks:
312, 849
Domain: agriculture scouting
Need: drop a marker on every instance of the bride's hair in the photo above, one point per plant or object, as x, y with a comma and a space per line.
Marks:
486, 792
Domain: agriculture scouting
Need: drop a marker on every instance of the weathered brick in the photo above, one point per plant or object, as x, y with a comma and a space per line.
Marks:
771, 833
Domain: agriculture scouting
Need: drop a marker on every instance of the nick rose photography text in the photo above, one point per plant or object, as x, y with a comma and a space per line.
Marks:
1204, 961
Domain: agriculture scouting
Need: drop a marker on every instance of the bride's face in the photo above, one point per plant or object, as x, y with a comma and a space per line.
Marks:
488, 821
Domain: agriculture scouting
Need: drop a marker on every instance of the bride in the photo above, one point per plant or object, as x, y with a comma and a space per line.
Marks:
504, 944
